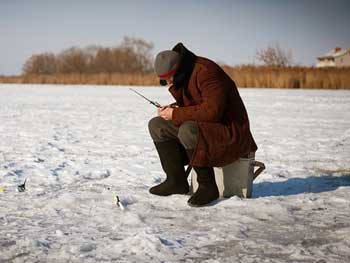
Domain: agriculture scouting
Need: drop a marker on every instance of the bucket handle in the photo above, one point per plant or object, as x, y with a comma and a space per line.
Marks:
260, 169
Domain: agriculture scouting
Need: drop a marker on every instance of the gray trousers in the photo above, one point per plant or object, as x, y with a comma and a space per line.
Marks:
163, 130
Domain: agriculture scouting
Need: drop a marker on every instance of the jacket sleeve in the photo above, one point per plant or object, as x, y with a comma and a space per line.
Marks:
212, 105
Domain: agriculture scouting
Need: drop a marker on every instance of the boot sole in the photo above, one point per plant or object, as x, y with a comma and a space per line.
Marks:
167, 194
207, 204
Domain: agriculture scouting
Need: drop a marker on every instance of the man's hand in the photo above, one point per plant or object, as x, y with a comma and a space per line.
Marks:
166, 112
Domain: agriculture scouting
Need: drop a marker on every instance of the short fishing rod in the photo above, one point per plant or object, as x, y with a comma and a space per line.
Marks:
150, 101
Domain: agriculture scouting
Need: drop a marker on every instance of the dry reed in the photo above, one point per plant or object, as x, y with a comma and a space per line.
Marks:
244, 76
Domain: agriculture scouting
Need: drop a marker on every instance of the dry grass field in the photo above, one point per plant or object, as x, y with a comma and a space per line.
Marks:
244, 76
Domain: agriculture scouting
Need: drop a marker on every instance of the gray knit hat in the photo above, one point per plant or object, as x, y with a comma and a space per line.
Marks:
165, 64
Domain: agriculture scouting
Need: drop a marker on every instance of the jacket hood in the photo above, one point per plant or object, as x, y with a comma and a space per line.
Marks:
186, 66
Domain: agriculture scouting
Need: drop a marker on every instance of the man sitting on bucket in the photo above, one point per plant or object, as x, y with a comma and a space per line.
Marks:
207, 126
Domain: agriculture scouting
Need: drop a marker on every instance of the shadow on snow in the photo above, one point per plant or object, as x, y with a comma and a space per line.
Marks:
294, 186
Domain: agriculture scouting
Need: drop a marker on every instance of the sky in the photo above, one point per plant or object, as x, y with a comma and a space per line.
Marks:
225, 31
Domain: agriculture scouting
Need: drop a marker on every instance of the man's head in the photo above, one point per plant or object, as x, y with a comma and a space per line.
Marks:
165, 66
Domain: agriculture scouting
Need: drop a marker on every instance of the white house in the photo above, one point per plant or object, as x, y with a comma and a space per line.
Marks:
337, 57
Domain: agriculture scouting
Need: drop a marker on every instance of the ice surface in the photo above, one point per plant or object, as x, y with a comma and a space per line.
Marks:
79, 146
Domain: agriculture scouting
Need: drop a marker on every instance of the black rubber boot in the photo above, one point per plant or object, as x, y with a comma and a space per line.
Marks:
207, 189
172, 159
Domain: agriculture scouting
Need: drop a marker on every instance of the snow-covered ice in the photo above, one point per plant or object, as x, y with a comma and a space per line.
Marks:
80, 146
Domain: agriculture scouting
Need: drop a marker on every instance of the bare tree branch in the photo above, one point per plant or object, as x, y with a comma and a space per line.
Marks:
275, 56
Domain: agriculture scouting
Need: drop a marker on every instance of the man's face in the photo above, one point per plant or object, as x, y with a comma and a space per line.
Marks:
170, 80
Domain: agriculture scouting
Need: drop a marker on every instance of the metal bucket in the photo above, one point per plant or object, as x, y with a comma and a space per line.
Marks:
234, 179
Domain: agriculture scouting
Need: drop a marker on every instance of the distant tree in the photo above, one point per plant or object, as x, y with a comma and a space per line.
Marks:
90, 54
72, 60
45, 63
102, 61
123, 60
275, 56
133, 55
140, 50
